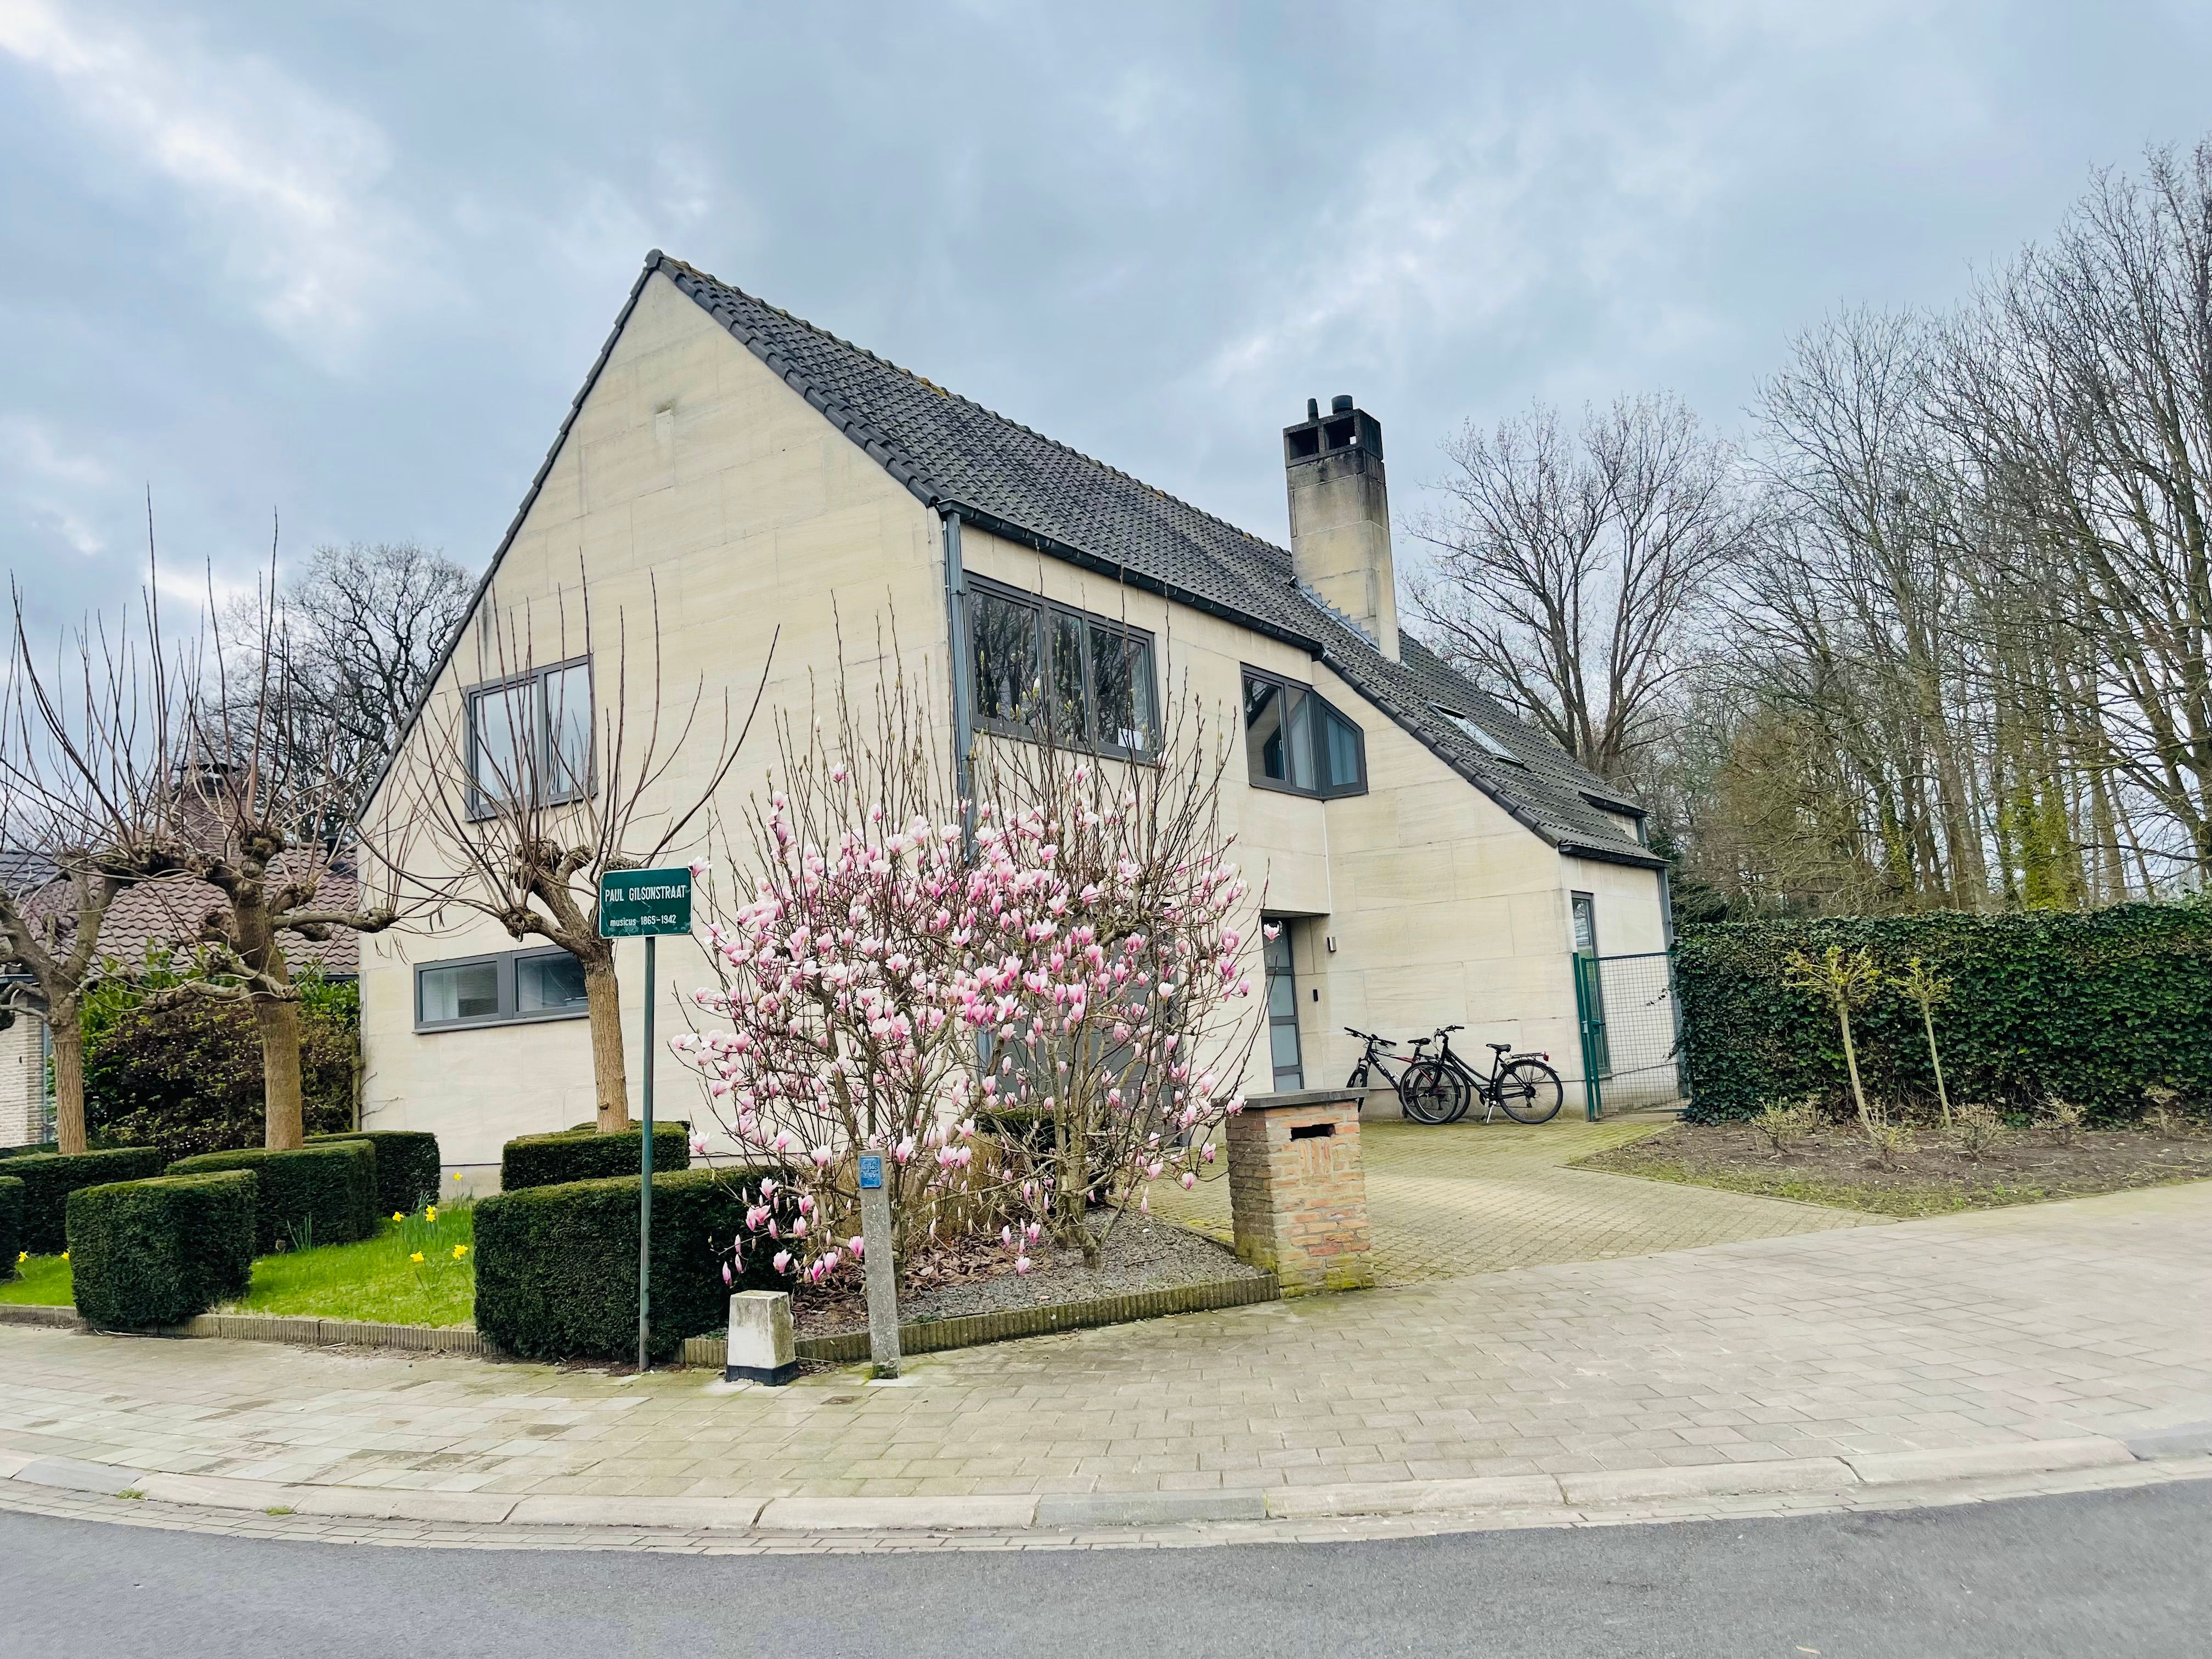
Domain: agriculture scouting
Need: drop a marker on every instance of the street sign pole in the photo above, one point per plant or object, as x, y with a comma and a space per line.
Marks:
880, 1260
645, 1173
645, 904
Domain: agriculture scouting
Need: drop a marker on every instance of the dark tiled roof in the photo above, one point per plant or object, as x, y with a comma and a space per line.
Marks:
22, 872
168, 913
952, 452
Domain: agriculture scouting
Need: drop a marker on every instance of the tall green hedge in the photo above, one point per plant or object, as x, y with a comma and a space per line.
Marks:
49, 1178
2089, 1006
407, 1165
584, 1154
557, 1266
147, 1252
323, 1194
11, 1224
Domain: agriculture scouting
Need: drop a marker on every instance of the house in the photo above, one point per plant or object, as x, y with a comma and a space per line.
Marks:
1434, 860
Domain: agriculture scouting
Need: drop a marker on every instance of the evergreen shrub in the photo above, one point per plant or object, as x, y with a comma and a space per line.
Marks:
11, 1224
407, 1166
2094, 1007
152, 1253
49, 1178
323, 1194
557, 1266
584, 1154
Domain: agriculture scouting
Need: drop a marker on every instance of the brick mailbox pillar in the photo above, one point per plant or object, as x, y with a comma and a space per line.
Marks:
1297, 1191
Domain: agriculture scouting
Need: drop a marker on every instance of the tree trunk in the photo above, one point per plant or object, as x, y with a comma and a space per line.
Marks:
66, 1027
283, 1114
603, 997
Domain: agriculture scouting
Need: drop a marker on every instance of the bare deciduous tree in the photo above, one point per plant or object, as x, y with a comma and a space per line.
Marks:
1568, 571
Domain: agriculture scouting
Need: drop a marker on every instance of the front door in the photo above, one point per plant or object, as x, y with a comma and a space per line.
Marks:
1283, 1011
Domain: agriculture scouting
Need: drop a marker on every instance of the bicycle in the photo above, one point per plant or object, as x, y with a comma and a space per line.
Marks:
1525, 1088
1424, 1092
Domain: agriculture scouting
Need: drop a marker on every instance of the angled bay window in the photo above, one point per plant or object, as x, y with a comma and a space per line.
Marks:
1297, 740
1044, 668
530, 739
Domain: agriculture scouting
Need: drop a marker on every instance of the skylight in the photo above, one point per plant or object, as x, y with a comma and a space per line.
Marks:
1483, 740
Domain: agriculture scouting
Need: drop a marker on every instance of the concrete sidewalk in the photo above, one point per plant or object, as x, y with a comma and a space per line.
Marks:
2033, 1338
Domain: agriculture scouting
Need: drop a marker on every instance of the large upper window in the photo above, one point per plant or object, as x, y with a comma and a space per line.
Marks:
1040, 667
530, 739
1296, 739
497, 990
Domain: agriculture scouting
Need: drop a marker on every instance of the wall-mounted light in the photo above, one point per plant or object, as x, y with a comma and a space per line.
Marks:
1332, 944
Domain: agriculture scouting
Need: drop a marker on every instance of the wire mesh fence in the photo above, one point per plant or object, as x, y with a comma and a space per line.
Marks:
1630, 1032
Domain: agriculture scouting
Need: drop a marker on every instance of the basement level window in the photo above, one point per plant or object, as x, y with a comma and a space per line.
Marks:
1481, 739
1297, 740
510, 988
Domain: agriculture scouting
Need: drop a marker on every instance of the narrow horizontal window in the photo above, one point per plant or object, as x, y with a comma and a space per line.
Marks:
1297, 740
512, 987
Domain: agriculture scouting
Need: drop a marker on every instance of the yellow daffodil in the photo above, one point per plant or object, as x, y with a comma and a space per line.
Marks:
457, 1175
397, 1215
416, 1258
21, 1256
460, 1250
431, 1212
64, 1255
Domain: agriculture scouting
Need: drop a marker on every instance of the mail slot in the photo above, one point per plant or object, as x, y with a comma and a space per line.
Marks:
1313, 1130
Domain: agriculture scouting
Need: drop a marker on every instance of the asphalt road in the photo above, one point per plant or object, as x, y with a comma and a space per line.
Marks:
2103, 1574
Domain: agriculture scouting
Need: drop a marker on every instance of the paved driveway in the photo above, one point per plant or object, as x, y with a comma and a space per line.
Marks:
1472, 1198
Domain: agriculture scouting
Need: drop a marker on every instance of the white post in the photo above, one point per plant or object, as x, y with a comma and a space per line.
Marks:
761, 1348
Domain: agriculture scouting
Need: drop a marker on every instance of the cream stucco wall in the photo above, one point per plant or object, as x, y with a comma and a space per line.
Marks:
695, 479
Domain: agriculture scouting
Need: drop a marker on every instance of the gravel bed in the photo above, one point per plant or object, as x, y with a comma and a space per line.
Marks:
1142, 1253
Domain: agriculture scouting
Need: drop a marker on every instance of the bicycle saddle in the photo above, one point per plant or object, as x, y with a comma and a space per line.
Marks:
1498, 1048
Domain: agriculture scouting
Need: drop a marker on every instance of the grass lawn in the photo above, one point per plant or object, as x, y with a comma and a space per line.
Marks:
1933, 1176
375, 1280
41, 1281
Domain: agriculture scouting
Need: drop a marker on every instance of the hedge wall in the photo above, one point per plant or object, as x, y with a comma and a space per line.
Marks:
49, 1178
11, 1224
188, 1080
407, 1165
316, 1195
2091, 1007
145, 1253
557, 1266
586, 1155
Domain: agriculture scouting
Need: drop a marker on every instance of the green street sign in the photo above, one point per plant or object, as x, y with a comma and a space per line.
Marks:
638, 904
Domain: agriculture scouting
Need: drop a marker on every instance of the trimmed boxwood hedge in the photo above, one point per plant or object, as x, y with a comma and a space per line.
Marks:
2089, 1006
557, 1266
150, 1253
11, 1224
407, 1165
585, 1154
313, 1195
49, 1178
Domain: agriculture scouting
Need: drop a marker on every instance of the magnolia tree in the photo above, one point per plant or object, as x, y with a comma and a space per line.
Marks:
1034, 1004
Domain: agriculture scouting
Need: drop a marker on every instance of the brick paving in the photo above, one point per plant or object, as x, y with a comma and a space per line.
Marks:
2044, 1323
1472, 1198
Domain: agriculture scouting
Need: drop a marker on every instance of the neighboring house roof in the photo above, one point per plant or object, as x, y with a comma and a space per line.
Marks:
168, 913
24, 872
957, 455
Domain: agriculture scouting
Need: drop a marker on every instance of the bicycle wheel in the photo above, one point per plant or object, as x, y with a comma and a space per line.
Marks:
1530, 1092
1463, 1090
1431, 1094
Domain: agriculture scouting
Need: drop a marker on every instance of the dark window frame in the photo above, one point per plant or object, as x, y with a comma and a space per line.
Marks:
505, 964
1328, 710
482, 806
1046, 616
1288, 974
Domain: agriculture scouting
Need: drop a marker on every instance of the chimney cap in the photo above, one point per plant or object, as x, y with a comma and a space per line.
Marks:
1341, 404
1312, 409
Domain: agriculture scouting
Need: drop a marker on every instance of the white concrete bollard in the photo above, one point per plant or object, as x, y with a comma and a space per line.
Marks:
760, 1339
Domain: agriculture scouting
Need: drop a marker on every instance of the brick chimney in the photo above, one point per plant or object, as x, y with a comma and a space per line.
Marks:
1340, 517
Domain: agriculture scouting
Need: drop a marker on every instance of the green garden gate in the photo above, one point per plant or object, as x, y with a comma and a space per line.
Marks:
1630, 1024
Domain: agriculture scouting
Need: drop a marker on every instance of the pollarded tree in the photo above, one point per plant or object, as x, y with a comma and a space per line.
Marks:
516, 794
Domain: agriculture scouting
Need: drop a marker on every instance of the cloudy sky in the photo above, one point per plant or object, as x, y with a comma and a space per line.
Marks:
346, 263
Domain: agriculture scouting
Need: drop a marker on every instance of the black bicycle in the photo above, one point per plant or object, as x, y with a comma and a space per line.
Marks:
1424, 1092
1524, 1087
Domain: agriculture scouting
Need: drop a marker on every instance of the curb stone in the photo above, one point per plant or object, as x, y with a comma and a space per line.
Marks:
1565, 1495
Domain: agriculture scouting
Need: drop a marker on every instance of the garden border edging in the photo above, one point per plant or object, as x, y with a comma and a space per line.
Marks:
849, 1347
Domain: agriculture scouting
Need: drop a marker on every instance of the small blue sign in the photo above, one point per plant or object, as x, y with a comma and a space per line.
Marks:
872, 1171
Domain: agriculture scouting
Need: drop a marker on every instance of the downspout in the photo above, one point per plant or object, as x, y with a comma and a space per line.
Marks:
956, 634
